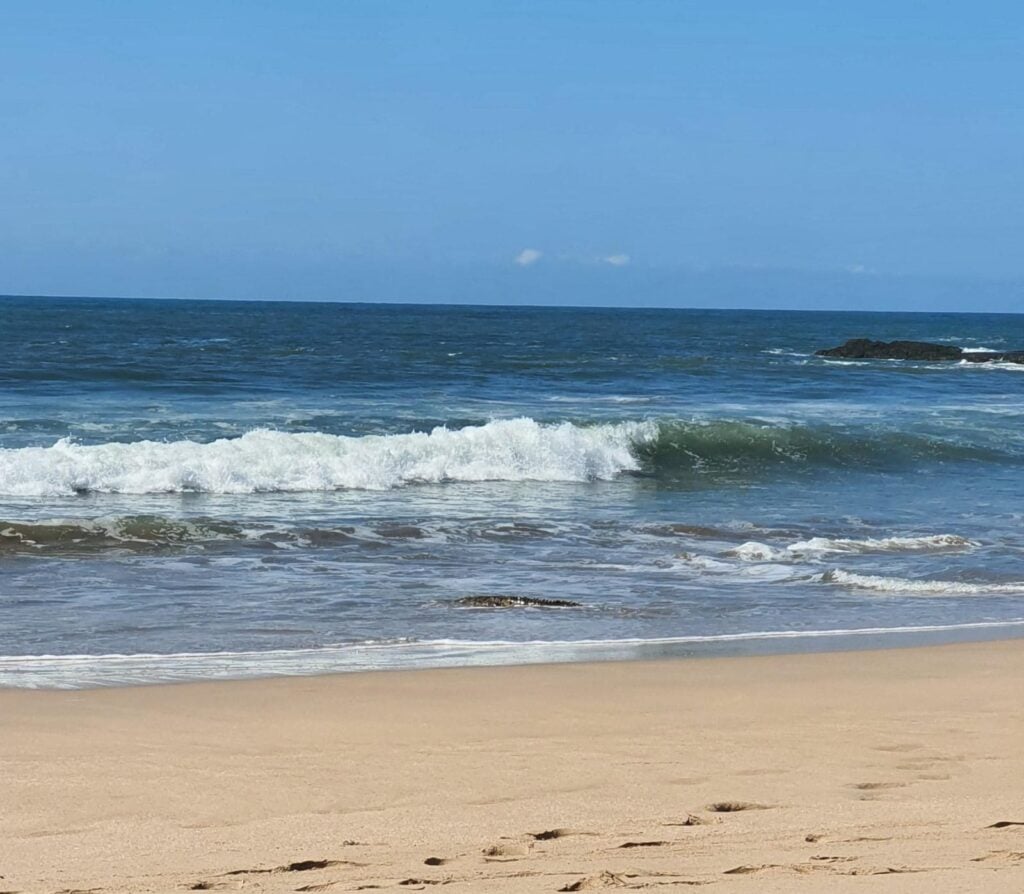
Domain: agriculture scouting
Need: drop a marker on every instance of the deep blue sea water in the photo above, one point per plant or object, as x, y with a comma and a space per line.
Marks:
198, 489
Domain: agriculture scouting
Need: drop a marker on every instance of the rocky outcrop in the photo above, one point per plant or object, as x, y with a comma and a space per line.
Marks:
868, 349
514, 602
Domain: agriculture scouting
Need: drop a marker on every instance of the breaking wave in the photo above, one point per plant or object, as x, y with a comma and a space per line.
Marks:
905, 587
274, 461
507, 450
928, 543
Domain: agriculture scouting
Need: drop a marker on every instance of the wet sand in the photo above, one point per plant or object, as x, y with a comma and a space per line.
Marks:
899, 770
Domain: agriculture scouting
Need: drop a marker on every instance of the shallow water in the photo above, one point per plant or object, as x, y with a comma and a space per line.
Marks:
226, 488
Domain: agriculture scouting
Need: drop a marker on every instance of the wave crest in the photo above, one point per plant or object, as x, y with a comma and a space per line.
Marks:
274, 461
505, 450
904, 587
927, 543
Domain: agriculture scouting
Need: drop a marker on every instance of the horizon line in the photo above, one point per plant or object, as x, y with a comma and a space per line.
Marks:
525, 306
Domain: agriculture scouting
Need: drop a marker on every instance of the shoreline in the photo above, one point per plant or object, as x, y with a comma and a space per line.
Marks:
50, 672
844, 767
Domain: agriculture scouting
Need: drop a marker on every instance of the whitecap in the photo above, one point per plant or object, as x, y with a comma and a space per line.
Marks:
753, 551
881, 544
275, 461
905, 587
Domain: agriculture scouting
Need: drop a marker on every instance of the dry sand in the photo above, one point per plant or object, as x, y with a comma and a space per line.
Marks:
858, 771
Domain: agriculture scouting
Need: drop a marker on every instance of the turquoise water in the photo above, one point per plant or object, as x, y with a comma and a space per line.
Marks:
196, 489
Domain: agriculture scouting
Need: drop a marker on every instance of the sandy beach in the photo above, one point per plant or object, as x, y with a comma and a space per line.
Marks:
898, 770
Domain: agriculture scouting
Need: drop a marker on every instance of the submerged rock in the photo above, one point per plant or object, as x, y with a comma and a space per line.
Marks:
868, 349
514, 602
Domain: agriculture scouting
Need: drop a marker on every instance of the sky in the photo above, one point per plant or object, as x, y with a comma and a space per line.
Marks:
800, 154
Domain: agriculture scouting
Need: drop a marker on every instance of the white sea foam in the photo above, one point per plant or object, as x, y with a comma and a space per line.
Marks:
881, 544
754, 564
785, 352
707, 563
752, 551
83, 671
995, 364
268, 461
968, 364
904, 587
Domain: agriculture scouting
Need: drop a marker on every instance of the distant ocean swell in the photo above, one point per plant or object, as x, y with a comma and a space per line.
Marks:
267, 461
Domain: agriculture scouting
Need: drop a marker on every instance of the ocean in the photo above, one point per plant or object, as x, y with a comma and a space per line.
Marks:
195, 490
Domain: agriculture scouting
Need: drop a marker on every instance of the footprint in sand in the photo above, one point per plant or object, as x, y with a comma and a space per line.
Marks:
511, 850
604, 879
551, 834
693, 820
736, 806
748, 869
872, 790
1011, 856
817, 865
644, 844
299, 866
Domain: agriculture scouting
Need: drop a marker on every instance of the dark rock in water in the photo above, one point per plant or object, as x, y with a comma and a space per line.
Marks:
514, 602
867, 349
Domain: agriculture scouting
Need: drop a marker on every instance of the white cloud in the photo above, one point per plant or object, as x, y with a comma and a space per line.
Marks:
618, 260
528, 256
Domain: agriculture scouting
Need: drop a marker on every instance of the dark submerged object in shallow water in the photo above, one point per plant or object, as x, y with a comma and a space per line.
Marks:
868, 349
514, 602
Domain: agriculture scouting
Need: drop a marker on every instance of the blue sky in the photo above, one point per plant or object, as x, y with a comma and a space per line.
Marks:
578, 152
